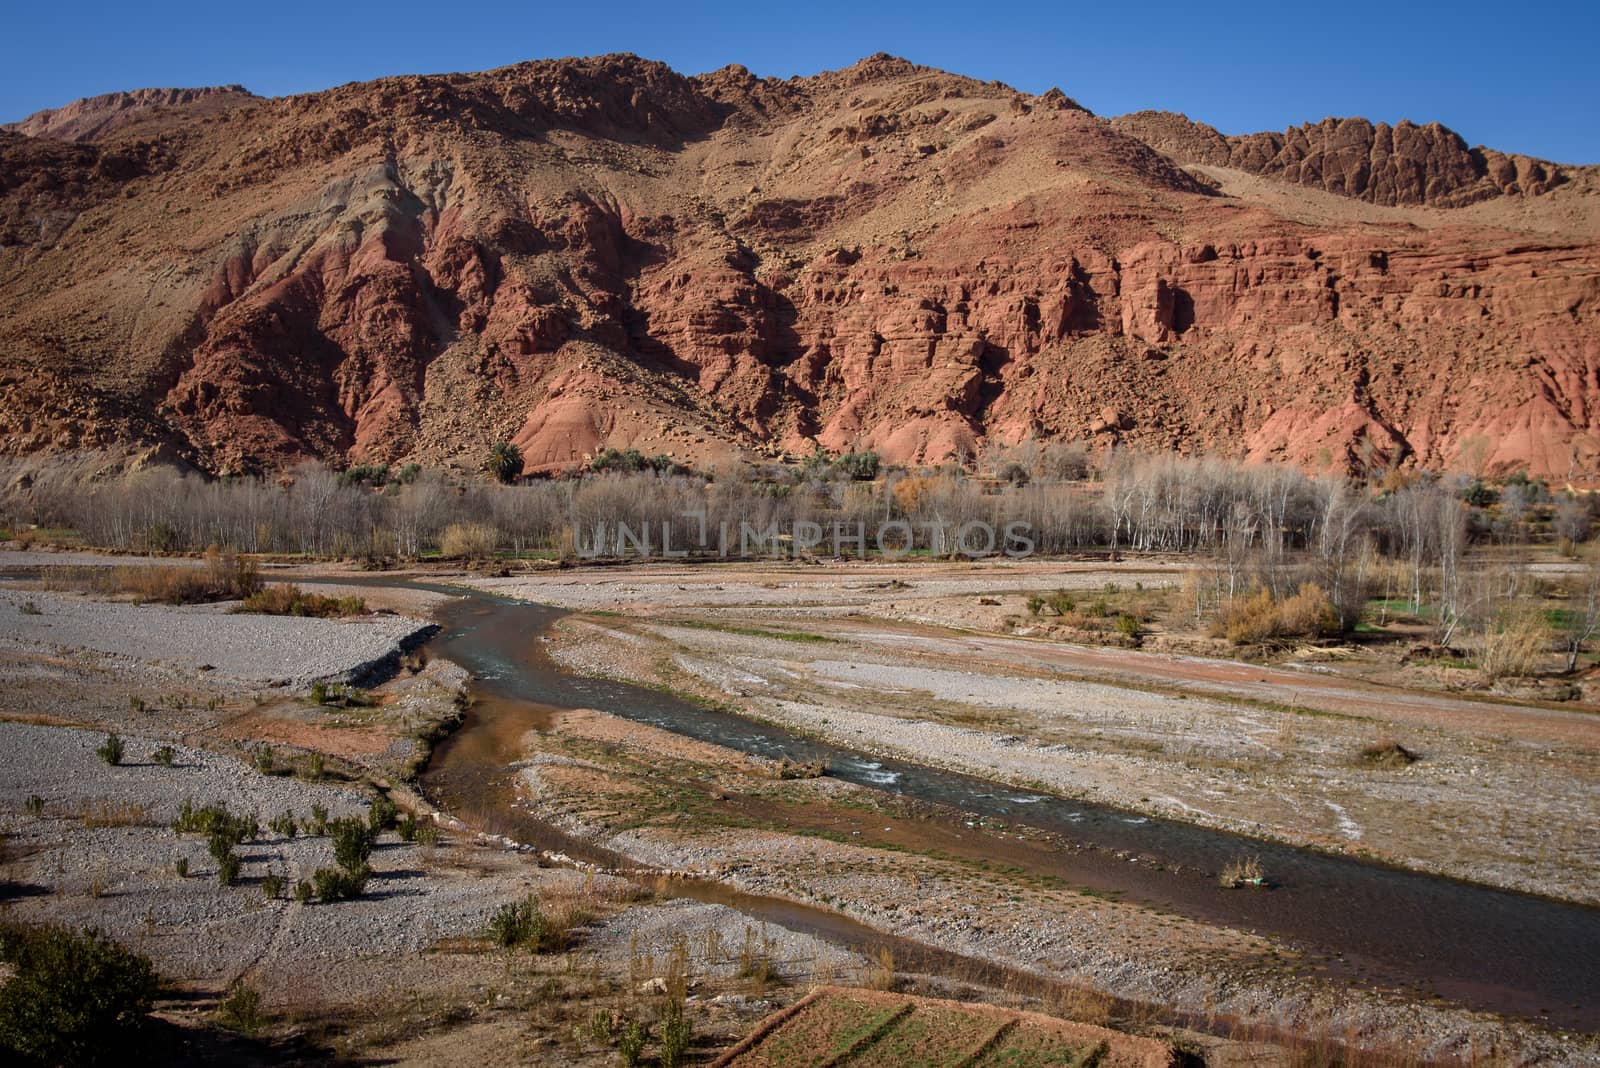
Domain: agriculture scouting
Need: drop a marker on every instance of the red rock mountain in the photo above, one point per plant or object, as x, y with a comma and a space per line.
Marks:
592, 252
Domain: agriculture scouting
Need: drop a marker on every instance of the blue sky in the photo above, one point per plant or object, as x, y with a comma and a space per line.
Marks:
1524, 79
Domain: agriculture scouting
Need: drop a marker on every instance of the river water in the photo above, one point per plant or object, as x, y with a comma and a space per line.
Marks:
1484, 948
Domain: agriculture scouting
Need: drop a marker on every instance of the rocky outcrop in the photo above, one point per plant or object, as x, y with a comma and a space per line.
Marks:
98, 116
1375, 162
602, 252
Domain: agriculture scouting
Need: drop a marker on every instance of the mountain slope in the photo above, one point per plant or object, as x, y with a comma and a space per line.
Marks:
593, 252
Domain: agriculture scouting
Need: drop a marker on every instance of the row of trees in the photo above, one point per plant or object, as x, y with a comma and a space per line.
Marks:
1248, 528
1249, 518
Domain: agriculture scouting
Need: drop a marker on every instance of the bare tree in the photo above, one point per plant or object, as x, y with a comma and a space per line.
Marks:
1579, 621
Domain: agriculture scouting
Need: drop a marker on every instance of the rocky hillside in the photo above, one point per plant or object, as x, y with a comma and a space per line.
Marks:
1374, 162
593, 252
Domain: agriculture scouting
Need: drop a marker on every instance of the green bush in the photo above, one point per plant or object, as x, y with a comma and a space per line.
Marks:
35, 805
165, 756
303, 891
181, 866
630, 1047
240, 1010
283, 824
73, 998
216, 820
272, 885
352, 842
518, 923
339, 884
227, 870
407, 827
675, 1033
318, 823
111, 750
861, 466
1129, 625
381, 815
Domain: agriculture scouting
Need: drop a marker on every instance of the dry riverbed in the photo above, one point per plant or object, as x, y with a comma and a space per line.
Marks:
1503, 794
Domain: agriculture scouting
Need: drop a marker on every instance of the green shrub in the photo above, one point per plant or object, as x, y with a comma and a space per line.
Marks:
165, 756
283, 824
227, 870
518, 923
428, 834
630, 1047
318, 823
226, 835
240, 1010
272, 885
407, 827
1129, 625
303, 891
1061, 602
73, 998
111, 750
340, 884
34, 805
352, 842
181, 866
381, 815
216, 821
675, 1033
861, 466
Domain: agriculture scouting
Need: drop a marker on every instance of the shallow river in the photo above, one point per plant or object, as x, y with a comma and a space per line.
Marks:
1484, 948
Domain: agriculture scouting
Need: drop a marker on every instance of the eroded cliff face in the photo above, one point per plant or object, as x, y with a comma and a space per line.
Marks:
1374, 162
583, 253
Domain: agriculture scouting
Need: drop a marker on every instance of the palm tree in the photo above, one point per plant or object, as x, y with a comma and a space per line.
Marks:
504, 462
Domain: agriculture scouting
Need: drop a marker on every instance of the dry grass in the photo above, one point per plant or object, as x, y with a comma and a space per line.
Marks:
107, 813
1241, 872
881, 973
1388, 754
1082, 1002
1308, 613
287, 599
1512, 645
469, 541
222, 576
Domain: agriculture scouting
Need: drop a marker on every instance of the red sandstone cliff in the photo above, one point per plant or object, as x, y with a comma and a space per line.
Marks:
596, 252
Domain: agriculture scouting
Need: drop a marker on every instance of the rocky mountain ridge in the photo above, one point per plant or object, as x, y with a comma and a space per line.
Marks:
593, 252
